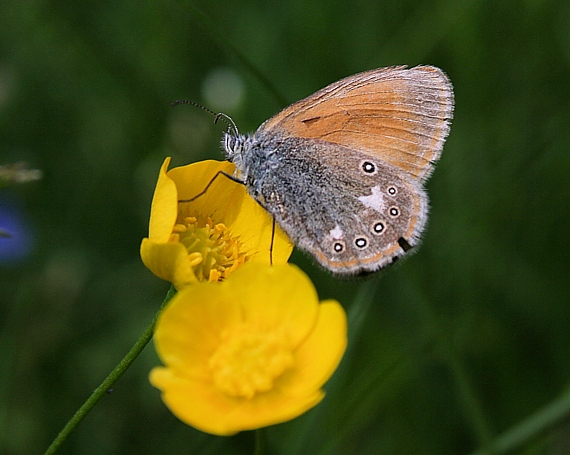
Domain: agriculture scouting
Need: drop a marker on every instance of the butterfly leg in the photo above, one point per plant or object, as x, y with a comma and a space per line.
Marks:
201, 193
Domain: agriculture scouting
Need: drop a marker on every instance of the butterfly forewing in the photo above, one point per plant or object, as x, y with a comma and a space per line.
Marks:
400, 116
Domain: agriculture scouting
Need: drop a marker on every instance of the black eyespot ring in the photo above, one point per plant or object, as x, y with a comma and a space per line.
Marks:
378, 227
392, 190
394, 211
368, 167
338, 247
361, 242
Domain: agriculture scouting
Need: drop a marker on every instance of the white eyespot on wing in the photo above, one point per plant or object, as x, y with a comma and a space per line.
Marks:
336, 233
375, 200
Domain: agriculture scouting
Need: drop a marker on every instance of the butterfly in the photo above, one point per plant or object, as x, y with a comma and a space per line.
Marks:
343, 171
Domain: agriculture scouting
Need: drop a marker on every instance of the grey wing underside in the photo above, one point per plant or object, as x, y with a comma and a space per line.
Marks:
329, 207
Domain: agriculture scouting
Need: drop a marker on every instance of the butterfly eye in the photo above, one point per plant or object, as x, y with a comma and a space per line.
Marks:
338, 247
378, 227
361, 242
394, 212
368, 167
392, 190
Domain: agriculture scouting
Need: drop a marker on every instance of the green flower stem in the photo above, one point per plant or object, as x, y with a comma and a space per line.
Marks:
123, 365
543, 420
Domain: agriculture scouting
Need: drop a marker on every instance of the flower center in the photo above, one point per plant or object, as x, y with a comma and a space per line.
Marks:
213, 253
248, 362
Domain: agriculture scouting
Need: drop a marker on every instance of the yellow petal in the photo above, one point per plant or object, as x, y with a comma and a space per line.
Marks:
318, 357
164, 206
168, 261
276, 297
223, 197
190, 327
198, 404
256, 229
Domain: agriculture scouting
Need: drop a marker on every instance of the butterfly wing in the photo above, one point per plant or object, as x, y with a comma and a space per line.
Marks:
398, 115
354, 214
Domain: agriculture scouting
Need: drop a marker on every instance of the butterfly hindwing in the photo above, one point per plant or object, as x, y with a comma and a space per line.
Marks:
349, 220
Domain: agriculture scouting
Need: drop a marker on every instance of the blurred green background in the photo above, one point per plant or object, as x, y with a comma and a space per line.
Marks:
448, 350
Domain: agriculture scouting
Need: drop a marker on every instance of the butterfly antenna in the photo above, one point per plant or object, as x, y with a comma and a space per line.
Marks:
228, 121
217, 116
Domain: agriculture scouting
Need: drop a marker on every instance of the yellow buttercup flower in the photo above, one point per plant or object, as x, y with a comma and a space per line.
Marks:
252, 351
208, 238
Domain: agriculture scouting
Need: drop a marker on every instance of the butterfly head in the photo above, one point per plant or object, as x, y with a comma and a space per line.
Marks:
236, 147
